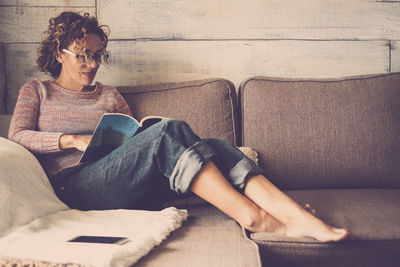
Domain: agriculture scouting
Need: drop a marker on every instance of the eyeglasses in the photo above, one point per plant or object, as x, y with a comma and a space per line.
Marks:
87, 59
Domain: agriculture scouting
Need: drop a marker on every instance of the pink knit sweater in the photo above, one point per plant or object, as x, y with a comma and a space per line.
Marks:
45, 111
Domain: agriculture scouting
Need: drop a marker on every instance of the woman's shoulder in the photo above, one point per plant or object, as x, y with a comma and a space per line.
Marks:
106, 89
35, 84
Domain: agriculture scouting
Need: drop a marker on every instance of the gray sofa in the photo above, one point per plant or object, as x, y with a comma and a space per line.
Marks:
333, 143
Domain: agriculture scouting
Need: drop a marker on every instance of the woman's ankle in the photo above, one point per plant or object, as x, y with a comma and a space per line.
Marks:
261, 221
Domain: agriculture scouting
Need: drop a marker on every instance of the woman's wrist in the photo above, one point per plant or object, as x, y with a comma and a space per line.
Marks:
65, 141
74, 141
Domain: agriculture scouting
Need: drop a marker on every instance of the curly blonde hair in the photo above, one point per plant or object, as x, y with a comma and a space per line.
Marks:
62, 31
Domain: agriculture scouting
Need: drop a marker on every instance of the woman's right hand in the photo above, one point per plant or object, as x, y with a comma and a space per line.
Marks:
74, 141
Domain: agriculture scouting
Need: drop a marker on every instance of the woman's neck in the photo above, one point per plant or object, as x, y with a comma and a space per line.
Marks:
71, 86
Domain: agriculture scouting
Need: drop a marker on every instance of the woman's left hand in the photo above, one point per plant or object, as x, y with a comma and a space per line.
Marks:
78, 142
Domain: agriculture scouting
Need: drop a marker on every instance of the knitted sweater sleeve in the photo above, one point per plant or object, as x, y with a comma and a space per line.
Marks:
121, 105
23, 127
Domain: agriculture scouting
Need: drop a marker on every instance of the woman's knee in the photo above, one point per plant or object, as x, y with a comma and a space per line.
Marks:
176, 124
180, 130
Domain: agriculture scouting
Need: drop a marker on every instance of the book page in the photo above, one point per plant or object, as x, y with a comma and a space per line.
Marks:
112, 131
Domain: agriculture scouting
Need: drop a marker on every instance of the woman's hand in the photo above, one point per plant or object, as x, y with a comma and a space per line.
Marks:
74, 141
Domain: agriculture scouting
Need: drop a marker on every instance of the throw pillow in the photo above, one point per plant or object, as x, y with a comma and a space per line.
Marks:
250, 153
25, 191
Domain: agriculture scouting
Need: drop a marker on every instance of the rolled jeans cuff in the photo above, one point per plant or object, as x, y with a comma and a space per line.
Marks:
243, 170
189, 165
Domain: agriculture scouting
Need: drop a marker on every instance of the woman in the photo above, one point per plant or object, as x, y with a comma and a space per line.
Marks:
54, 120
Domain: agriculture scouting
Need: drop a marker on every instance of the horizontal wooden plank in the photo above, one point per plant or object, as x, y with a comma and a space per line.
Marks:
256, 19
27, 24
170, 61
62, 3
2, 81
20, 68
146, 62
395, 56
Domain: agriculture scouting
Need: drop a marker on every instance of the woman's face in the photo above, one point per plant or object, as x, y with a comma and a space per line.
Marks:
75, 75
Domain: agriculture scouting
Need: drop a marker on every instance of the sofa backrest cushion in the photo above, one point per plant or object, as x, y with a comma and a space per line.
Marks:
208, 106
325, 133
4, 125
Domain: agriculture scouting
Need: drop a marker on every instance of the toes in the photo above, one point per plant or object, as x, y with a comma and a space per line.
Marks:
308, 208
343, 234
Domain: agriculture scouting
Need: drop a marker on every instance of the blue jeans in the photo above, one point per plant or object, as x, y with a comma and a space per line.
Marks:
154, 166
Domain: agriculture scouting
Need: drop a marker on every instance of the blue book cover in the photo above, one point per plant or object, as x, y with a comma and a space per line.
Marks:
113, 130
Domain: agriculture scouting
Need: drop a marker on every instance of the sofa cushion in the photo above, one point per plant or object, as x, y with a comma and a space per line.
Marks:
208, 238
371, 215
209, 106
325, 133
25, 191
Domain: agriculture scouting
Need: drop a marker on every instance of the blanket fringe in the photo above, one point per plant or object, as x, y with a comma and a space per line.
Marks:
14, 262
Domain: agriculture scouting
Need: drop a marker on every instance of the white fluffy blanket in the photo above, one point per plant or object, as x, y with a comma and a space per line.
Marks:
35, 225
45, 238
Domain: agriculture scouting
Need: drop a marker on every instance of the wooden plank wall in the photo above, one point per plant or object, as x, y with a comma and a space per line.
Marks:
155, 41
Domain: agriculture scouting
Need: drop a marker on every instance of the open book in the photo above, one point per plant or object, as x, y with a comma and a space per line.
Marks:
113, 130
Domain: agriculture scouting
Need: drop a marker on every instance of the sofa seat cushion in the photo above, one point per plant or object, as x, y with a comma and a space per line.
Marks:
372, 215
208, 238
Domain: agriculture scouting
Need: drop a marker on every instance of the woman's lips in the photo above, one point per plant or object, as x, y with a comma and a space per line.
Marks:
88, 74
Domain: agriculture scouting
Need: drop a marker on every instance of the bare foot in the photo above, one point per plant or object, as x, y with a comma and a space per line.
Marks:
307, 225
310, 226
266, 223
308, 208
